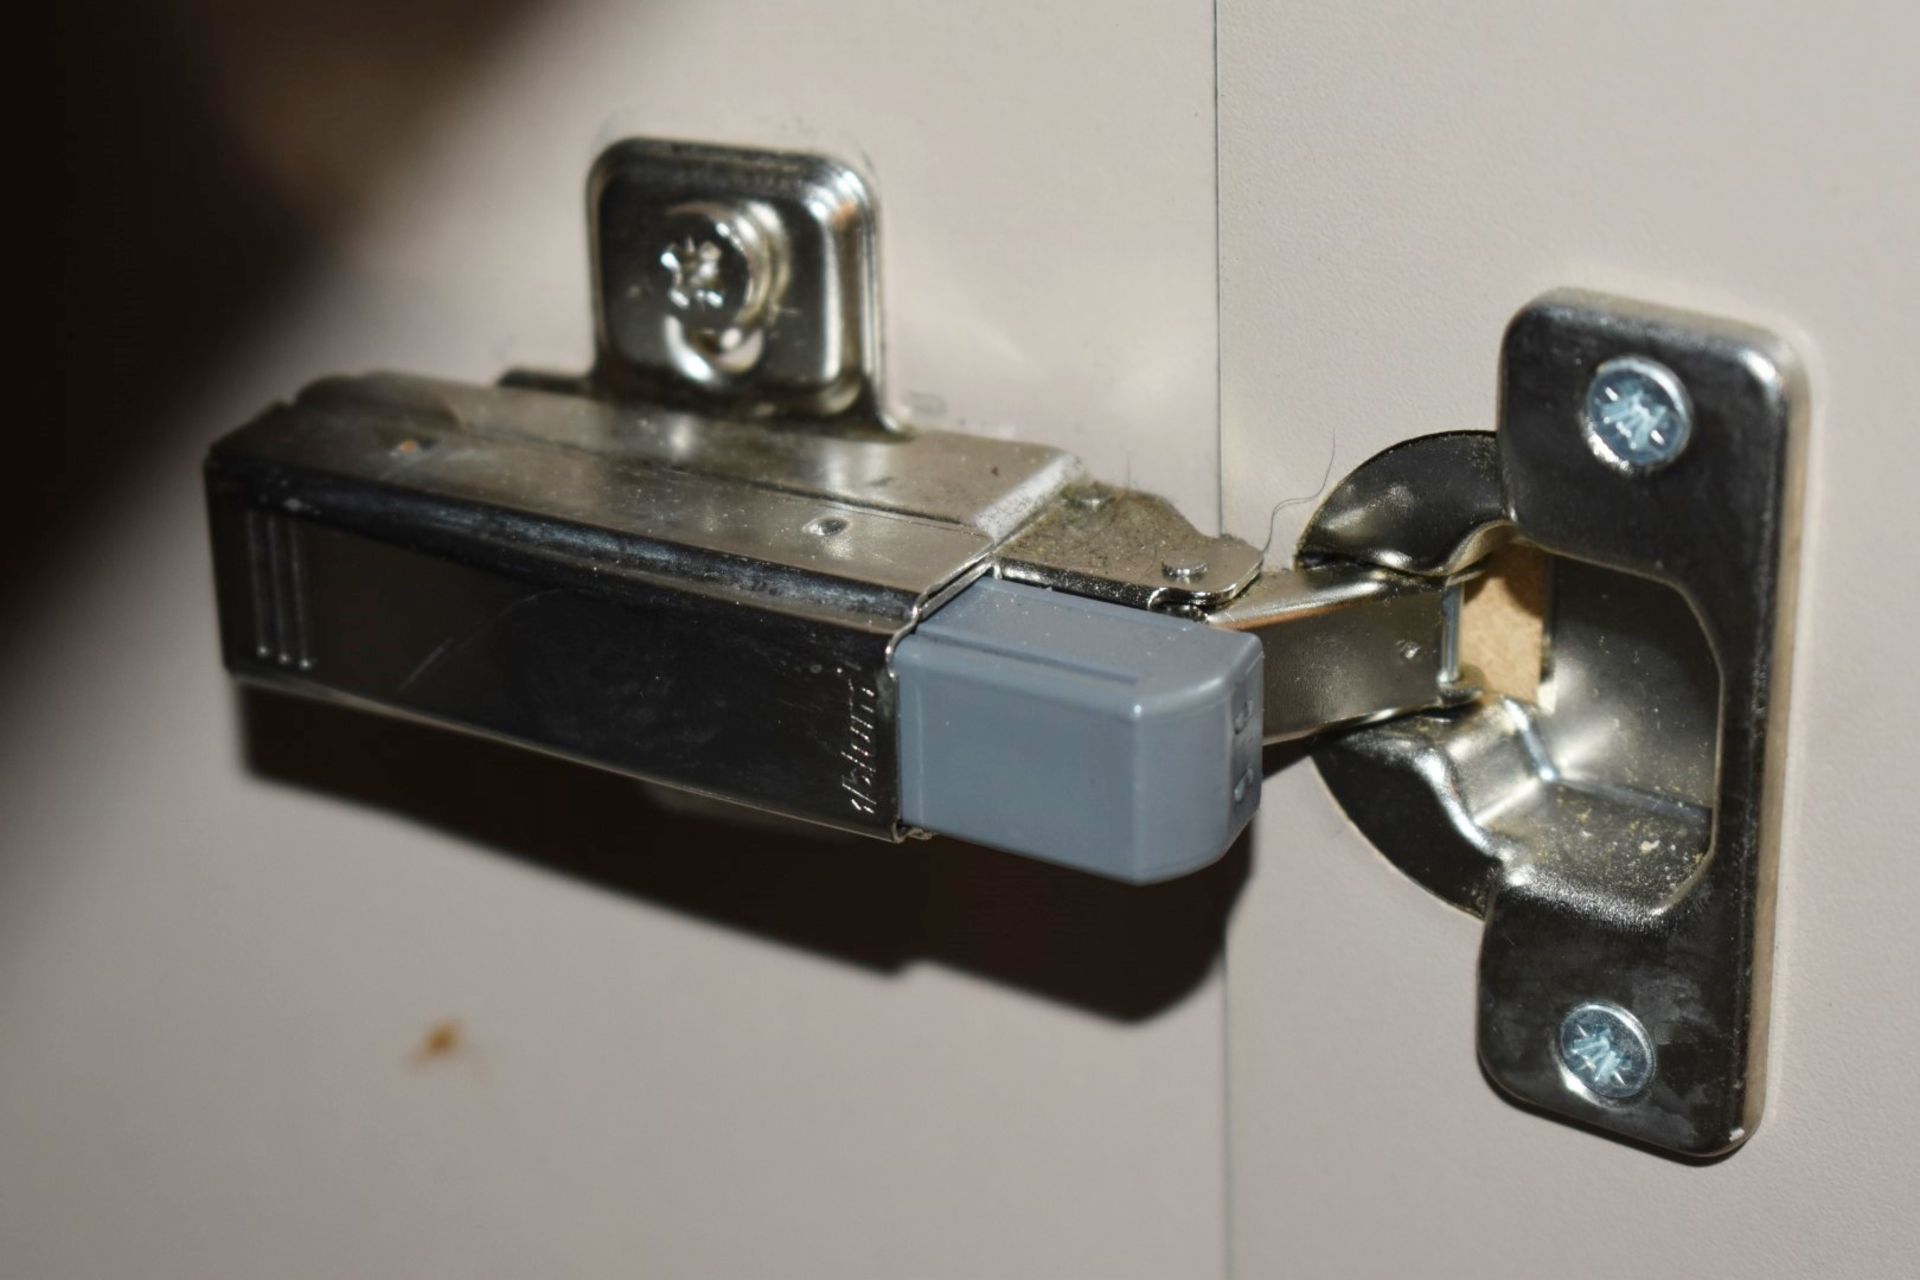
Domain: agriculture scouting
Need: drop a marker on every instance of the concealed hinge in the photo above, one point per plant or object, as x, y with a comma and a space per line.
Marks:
715, 561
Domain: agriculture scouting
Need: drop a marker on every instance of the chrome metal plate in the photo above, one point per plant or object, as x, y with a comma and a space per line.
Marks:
729, 278
704, 602
1619, 835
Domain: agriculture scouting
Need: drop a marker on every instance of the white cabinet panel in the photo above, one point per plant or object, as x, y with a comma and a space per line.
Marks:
1396, 181
257, 1028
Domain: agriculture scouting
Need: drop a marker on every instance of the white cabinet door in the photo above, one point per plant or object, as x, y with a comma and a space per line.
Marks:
339, 1015
1396, 181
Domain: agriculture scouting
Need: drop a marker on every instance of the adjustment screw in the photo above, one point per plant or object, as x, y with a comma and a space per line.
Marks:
1605, 1051
1638, 415
720, 265
1184, 570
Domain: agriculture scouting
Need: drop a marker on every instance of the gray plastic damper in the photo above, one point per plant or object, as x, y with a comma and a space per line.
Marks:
1111, 739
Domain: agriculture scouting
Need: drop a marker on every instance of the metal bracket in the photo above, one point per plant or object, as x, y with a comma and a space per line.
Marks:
733, 280
1618, 834
698, 563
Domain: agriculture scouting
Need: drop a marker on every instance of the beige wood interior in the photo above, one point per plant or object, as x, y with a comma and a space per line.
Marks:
1503, 620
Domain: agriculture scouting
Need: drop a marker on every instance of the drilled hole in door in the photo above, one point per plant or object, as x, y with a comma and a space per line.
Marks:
1503, 621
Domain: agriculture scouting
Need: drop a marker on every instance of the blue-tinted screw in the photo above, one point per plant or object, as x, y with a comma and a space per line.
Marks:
1638, 415
1606, 1051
